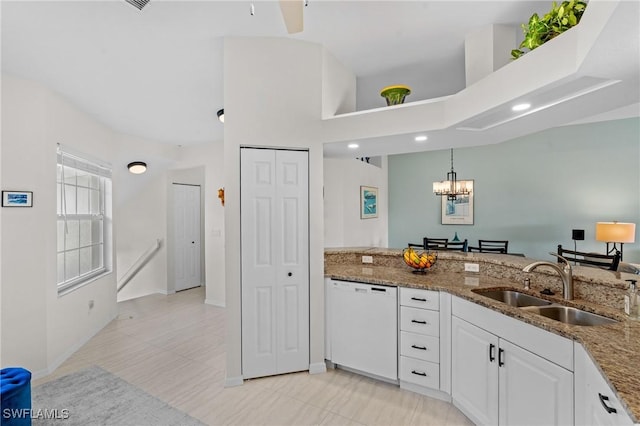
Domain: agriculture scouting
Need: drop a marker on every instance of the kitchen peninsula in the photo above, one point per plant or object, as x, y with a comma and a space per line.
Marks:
613, 348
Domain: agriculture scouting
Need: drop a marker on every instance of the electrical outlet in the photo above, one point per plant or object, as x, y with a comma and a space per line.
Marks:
367, 259
471, 267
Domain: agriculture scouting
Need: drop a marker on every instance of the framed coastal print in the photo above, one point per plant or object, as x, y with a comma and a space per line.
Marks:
368, 202
17, 199
460, 210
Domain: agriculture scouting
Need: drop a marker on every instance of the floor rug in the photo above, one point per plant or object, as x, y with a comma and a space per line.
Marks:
96, 397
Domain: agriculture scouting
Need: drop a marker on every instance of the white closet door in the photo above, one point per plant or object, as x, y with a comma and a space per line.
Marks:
275, 261
187, 236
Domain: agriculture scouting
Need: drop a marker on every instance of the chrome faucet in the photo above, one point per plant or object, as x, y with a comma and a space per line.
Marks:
565, 273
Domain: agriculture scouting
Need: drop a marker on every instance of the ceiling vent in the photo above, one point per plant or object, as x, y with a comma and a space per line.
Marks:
538, 100
138, 3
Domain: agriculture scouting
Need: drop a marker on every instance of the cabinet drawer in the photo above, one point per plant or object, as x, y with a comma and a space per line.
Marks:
420, 321
421, 373
426, 348
425, 299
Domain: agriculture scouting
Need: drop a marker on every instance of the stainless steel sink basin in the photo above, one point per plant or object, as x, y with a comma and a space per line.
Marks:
569, 315
512, 297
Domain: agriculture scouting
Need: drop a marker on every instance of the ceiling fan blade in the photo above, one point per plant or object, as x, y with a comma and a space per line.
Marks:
292, 14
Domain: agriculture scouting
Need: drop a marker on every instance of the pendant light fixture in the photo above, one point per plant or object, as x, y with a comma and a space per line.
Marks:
450, 187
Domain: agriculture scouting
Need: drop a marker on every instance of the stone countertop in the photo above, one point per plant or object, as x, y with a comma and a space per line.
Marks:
615, 348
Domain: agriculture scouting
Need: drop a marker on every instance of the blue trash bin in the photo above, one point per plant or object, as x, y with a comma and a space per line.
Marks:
15, 397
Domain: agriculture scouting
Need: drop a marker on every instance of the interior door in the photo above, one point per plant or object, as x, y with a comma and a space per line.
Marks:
187, 272
275, 261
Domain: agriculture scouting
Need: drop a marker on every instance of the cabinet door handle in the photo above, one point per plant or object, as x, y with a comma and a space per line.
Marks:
492, 352
500, 357
378, 289
419, 322
603, 398
419, 373
418, 299
422, 348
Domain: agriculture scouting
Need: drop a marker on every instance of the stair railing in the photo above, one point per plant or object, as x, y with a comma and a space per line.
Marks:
138, 265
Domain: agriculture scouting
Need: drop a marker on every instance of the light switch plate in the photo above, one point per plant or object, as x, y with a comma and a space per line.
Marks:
471, 267
367, 259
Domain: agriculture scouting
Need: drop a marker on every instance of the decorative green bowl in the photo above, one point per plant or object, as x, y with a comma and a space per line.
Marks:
395, 94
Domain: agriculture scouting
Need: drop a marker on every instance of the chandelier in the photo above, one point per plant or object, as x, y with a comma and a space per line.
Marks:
450, 187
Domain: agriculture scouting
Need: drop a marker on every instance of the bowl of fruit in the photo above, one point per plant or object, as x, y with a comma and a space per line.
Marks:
420, 262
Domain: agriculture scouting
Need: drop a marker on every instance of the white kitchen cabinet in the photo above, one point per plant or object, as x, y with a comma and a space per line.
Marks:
533, 390
595, 402
424, 357
474, 371
495, 381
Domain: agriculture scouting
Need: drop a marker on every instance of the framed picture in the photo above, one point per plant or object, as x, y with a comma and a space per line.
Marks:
460, 210
17, 199
368, 202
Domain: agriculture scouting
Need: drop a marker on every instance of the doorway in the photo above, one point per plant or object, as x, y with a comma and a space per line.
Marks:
187, 240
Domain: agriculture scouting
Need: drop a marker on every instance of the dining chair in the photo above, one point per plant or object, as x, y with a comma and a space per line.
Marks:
604, 261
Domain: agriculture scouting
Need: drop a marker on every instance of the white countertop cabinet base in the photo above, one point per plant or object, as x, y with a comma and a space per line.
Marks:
496, 382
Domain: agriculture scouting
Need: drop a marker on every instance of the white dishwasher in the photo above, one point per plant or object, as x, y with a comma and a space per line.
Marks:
364, 328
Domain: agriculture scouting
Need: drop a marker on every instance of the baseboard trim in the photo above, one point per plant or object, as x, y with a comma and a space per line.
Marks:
70, 351
230, 382
433, 393
213, 302
317, 368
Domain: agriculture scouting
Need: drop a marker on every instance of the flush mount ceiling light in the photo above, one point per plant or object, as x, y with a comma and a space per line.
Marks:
137, 167
421, 138
353, 146
521, 107
221, 115
450, 187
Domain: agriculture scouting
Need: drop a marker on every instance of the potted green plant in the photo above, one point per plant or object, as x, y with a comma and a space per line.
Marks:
560, 18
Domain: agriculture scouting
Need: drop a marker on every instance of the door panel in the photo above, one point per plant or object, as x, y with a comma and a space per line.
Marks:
187, 245
474, 372
533, 391
275, 239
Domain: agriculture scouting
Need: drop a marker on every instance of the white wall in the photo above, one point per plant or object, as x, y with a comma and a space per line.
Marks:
140, 213
344, 227
210, 156
40, 329
273, 97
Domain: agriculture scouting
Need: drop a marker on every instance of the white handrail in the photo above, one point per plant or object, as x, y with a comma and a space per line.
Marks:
138, 264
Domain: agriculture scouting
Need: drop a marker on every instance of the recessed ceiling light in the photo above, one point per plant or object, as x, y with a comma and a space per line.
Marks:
353, 145
520, 107
421, 138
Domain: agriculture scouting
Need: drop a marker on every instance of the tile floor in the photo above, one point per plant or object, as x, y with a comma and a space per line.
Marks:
173, 348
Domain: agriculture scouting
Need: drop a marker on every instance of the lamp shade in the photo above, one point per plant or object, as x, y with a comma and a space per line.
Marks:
615, 232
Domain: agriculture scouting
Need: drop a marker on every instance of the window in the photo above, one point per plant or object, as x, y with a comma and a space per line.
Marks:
83, 211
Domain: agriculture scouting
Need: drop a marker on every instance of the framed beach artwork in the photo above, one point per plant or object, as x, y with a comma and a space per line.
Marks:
460, 210
368, 202
17, 199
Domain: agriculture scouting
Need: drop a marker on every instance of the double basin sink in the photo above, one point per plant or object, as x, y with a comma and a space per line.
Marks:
545, 308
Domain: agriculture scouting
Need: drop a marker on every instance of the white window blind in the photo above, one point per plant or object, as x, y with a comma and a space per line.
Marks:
83, 186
